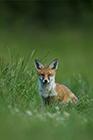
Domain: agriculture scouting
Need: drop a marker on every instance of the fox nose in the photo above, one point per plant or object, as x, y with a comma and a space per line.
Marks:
45, 81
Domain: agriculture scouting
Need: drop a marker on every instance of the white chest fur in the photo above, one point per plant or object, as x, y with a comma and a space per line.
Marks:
47, 90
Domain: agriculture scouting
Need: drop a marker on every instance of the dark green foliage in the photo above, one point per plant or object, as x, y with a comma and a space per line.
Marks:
46, 12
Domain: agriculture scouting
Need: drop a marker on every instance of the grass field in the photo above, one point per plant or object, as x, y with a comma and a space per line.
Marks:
21, 115
73, 48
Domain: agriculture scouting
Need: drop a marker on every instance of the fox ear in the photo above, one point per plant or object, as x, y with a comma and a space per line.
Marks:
54, 64
38, 65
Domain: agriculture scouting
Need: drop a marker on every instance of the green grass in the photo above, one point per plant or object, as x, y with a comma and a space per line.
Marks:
21, 115
73, 48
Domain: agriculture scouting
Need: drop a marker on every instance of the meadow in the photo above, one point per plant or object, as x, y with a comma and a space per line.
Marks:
21, 115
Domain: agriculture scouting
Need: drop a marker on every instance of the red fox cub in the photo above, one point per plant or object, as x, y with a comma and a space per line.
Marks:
50, 90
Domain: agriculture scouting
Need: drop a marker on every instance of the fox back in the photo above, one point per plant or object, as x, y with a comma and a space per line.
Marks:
48, 88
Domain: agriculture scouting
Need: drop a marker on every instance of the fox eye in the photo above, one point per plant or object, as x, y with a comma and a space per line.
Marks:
49, 74
42, 75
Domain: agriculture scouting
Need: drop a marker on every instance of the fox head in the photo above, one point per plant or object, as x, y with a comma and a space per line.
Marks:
46, 73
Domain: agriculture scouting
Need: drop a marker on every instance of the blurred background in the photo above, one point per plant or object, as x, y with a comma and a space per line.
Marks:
60, 29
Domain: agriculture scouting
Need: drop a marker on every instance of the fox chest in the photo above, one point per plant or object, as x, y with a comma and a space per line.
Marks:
47, 92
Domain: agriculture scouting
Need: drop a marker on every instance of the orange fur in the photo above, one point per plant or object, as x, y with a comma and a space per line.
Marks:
65, 94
